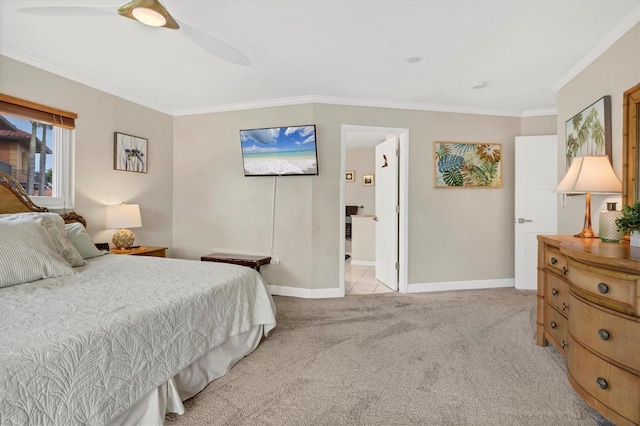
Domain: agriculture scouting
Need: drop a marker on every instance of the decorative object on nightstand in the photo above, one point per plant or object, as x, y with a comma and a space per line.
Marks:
123, 216
609, 231
587, 175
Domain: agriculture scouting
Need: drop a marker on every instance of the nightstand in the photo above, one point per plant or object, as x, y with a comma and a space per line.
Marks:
143, 251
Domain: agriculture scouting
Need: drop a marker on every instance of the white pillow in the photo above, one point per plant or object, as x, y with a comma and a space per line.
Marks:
79, 237
27, 252
53, 223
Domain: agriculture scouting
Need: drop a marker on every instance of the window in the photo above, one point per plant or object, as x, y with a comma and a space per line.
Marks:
37, 149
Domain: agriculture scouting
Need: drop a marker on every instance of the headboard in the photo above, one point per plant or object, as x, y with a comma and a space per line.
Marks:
14, 199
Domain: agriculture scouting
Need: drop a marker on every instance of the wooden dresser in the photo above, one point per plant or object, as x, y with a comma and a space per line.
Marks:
589, 309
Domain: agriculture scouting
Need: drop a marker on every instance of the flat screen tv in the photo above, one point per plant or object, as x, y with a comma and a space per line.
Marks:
280, 151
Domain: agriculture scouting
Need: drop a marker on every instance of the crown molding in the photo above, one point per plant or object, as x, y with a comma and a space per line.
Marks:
347, 102
539, 112
79, 78
268, 103
630, 19
374, 103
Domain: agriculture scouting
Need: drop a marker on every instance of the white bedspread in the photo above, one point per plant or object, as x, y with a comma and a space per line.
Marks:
82, 349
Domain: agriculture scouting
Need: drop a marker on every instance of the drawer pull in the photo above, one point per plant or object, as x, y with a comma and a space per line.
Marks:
602, 383
554, 260
564, 345
554, 291
564, 270
553, 324
564, 307
603, 334
603, 288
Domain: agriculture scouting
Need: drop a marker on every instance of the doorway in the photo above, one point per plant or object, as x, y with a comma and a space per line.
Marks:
353, 136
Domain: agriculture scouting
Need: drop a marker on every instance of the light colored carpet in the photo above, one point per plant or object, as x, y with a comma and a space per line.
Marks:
450, 358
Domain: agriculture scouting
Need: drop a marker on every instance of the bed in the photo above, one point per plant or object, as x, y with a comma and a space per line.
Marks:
113, 339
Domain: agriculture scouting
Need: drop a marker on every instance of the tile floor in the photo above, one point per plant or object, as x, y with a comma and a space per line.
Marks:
361, 279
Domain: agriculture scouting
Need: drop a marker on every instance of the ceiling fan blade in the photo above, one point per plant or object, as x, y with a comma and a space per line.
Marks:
215, 46
65, 11
205, 41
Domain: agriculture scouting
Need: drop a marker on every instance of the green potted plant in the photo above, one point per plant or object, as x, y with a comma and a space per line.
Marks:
629, 223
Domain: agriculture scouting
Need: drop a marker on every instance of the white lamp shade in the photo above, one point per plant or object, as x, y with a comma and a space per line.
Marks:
591, 173
123, 216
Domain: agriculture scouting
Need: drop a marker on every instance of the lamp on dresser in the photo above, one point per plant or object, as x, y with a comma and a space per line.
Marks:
591, 174
122, 217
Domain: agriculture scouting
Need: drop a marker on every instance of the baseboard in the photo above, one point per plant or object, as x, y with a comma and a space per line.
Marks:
305, 293
325, 293
461, 285
363, 262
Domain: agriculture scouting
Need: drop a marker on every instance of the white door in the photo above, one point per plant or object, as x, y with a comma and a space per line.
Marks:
386, 183
536, 205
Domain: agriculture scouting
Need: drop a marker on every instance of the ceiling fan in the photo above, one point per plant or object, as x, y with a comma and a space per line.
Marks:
153, 13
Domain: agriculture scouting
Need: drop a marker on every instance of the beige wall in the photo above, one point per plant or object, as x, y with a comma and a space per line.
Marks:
362, 160
196, 200
99, 116
615, 71
217, 208
454, 234
539, 125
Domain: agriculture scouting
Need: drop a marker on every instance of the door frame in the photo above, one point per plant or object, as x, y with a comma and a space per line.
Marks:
403, 198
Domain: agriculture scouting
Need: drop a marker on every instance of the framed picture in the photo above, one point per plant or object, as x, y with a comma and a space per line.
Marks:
350, 175
367, 180
130, 153
467, 165
589, 131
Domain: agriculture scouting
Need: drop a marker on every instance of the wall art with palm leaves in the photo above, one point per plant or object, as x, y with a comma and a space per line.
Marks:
463, 164
130, 153
589, 131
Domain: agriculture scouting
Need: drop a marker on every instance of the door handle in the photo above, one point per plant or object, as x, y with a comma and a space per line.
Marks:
375, 218
523, 220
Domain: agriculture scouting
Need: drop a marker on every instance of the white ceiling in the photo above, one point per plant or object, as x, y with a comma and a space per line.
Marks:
346, 52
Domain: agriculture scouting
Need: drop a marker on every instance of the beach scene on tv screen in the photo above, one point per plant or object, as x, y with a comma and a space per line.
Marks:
279, 151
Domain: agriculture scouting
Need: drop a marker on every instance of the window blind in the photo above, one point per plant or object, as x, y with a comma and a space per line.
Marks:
32, 111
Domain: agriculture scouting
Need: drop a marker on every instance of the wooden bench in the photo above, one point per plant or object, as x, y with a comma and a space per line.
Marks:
238, 259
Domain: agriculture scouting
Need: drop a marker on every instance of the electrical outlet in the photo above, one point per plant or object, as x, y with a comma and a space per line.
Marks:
275, 260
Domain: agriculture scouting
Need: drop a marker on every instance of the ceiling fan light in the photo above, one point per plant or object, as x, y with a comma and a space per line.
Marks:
149, 12
148, 16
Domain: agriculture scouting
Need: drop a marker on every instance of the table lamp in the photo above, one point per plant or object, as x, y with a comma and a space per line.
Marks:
123, 216
591, 174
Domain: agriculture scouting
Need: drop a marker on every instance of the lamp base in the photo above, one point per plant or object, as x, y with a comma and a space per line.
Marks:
587, 230
586, 233
123, 238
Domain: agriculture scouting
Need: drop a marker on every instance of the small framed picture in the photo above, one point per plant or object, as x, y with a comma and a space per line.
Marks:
350, 175
367, 180
130, 153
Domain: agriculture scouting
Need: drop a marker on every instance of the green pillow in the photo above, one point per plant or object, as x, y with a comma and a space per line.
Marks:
81, 240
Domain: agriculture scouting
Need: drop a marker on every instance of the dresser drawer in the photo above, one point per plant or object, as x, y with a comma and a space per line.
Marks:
554, 260
556, 326
617, 389
556, 291
613, 336
615, 290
